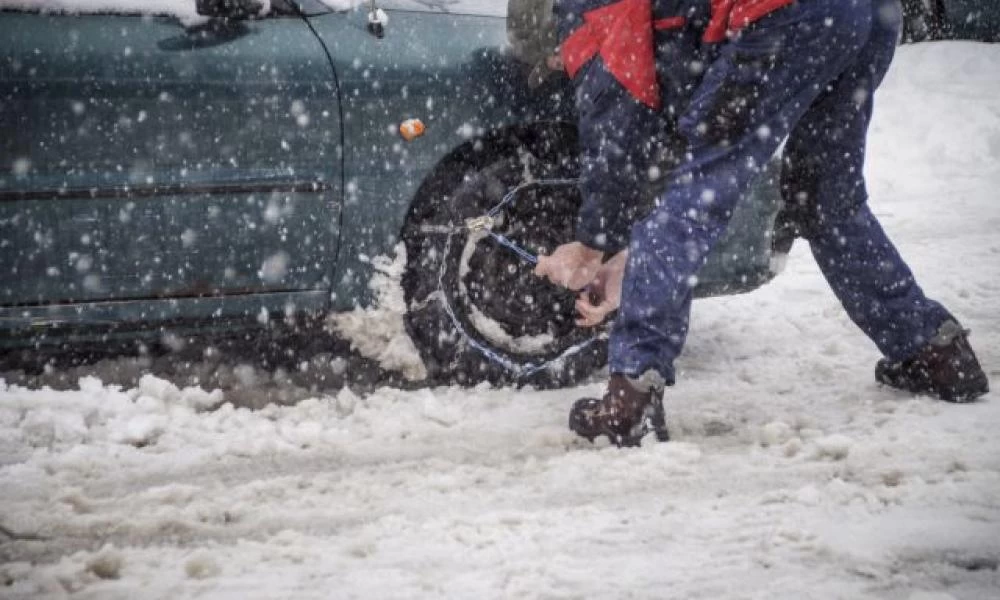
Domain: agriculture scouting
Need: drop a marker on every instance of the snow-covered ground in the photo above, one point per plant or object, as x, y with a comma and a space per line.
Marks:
792, 474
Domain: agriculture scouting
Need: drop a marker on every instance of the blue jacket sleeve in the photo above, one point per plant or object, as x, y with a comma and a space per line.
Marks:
621, 138
616, 134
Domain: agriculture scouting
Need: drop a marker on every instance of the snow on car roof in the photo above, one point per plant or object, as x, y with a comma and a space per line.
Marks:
182, 9
185, 9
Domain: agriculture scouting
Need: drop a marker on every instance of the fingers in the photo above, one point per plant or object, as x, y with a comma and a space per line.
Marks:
590, 321
591, 315
554, 270
542, 267
548, 268
571, 266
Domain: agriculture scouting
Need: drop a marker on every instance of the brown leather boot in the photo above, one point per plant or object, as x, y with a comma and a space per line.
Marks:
946, 368
629, 410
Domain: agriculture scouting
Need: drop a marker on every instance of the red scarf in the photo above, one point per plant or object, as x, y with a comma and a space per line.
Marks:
622, 34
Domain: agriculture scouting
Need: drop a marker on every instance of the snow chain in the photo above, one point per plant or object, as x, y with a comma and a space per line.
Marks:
484, 225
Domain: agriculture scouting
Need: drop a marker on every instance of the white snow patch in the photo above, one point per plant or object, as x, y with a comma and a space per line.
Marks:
834, 447
202, 566
791, 474
183, 10
495, 333
489, 328
379, 332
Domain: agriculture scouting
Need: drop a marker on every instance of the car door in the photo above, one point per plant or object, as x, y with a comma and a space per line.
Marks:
165, 168
442, 63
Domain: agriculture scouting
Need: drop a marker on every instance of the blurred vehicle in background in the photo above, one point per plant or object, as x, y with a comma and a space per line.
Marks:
977, 20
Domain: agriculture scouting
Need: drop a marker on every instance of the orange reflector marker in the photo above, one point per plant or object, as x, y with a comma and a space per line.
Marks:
411, 129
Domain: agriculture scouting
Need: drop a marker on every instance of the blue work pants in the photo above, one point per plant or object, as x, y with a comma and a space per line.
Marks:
804, 75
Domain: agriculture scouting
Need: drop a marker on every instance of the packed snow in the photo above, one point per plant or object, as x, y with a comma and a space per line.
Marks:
379, 332
792, 474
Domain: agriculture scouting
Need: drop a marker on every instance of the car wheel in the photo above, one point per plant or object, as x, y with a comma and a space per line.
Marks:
475, 310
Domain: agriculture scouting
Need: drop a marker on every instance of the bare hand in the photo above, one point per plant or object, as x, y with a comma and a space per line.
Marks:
604, 294
571, 266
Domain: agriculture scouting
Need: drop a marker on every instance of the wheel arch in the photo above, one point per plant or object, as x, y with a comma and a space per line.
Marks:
483, 149
355, 269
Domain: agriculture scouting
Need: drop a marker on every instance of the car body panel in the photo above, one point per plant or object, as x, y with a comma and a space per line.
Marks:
150, 162
484, 8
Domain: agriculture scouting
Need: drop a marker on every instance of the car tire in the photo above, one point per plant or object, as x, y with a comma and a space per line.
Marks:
475, 311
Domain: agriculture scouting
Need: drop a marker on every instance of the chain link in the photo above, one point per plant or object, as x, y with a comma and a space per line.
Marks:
485, 224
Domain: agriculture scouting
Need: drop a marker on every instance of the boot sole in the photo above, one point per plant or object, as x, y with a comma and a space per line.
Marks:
630, 441
969, 393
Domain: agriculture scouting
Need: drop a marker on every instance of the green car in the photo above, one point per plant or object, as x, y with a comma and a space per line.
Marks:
166, 177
